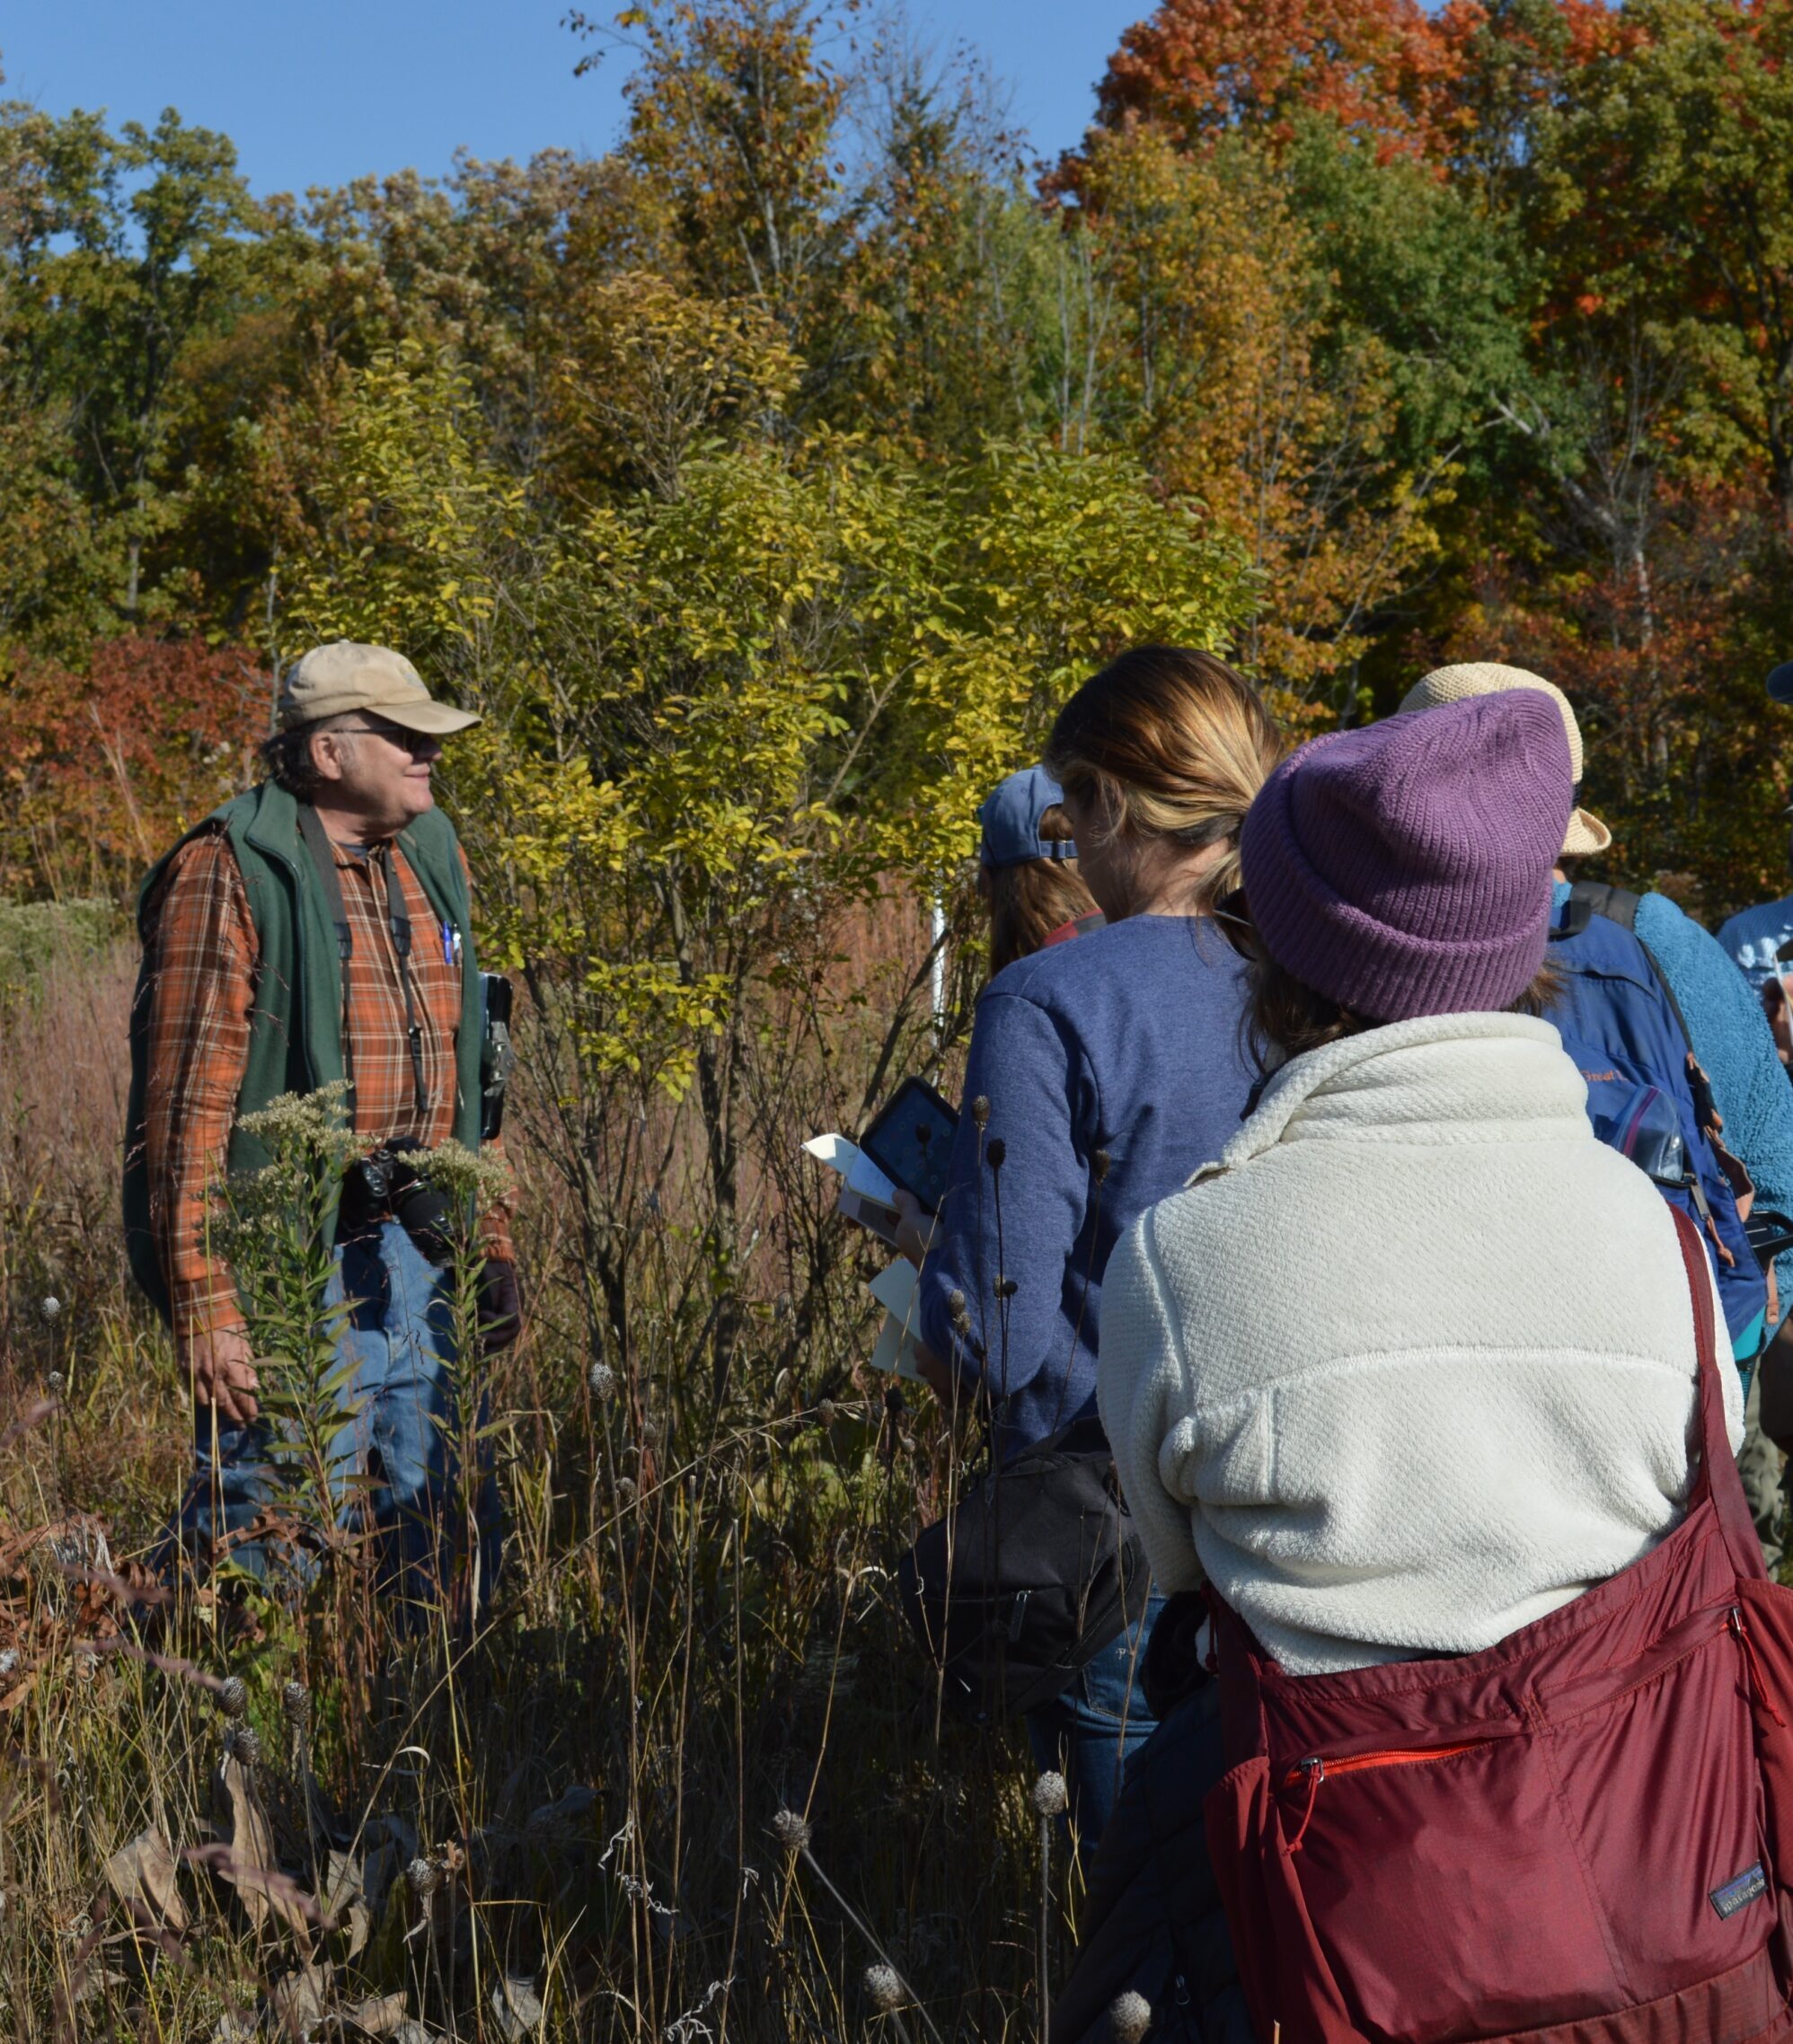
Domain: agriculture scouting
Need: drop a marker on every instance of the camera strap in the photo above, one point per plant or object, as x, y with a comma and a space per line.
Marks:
398, 922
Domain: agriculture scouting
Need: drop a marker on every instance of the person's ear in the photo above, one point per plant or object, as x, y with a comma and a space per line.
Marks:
327, 754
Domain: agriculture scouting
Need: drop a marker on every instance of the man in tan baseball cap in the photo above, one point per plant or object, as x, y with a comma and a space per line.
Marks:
342, 677
318, 930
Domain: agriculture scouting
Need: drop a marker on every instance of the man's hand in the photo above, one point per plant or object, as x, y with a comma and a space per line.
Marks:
915, 1227
222, 1365
500, 1309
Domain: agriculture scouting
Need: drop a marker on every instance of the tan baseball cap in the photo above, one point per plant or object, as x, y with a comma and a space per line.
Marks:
1586, 834
331, 680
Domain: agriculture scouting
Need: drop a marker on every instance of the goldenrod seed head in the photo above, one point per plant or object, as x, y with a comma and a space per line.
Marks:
790, 1831
1129, 2017
1049, 1797
884, 1989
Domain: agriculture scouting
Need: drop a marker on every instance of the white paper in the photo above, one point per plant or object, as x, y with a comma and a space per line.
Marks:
854, 1165
866, 1194
895, 1290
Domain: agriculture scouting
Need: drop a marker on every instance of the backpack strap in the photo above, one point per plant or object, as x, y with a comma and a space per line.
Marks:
1595, 897
1717, 1478
1619, 904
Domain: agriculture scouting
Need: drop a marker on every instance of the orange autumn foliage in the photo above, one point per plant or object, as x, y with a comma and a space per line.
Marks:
103, 770
1202, 66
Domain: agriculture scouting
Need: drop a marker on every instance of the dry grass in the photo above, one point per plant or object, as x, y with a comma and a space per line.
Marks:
696, 1628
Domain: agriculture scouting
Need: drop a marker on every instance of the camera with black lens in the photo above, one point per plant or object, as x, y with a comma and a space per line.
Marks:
381, 1186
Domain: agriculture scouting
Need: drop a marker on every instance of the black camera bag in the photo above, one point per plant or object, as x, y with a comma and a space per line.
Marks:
1032, 1574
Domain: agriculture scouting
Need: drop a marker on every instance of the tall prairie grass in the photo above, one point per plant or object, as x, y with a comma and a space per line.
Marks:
564, 1826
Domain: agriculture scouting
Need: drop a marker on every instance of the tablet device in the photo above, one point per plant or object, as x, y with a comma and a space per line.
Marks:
911, 1141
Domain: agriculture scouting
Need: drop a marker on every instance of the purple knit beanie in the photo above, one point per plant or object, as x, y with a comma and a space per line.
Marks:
1404, 869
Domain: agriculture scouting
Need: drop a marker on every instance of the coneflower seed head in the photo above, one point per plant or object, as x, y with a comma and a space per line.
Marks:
1129, 2017
996, 1151
980, 1110
232, 1695
602, 1378
245, 1742
296, 1700
424, 1877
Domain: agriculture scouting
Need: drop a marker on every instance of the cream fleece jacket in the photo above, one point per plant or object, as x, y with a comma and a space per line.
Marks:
1413, 1363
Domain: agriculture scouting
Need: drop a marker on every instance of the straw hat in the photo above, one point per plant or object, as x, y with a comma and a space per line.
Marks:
1586, 834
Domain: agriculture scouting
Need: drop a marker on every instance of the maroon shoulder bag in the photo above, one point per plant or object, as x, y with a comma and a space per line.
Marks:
1575, 1835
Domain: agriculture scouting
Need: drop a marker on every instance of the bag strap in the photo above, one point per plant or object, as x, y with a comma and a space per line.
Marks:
1717, 1478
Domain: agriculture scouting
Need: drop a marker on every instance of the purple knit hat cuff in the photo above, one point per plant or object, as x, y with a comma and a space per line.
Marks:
1405, 869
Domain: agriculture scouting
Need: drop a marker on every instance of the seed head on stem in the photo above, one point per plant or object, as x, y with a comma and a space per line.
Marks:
884, 1989
791, 1831
1050, 1797
1129, 2017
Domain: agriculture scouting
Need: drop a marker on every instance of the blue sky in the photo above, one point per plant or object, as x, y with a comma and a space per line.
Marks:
319, 93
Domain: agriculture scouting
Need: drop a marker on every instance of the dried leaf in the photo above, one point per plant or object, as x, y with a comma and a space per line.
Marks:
345, 1901
517, 2008
380, 2015
249, 1863
296, 2001
142, 1874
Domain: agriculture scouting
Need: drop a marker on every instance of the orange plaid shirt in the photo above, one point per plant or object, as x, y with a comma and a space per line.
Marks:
201, 997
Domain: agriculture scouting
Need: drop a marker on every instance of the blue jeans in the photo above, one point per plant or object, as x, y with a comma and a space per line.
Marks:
1092, 1730
390, 1461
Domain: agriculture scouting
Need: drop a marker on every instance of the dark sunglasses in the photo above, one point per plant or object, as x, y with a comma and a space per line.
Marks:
413, 742
1232, 912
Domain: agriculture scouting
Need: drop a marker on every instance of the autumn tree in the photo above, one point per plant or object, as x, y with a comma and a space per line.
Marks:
1203, 67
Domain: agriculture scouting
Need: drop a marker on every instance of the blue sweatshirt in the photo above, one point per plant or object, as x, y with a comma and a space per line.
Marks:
1127, 1041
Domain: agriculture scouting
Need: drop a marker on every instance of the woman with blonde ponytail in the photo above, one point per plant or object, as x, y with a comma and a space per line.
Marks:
1101, 1074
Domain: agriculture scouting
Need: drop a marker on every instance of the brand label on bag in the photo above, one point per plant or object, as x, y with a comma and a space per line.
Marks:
1748, 1887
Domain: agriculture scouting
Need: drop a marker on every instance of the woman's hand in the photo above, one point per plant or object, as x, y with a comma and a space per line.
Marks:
915, 1227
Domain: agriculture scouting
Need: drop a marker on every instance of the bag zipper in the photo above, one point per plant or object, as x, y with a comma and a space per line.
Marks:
1734, 1620
1317, 1769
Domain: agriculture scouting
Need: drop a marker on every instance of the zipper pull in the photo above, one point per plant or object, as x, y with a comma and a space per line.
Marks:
1315, 1771
1758, 1688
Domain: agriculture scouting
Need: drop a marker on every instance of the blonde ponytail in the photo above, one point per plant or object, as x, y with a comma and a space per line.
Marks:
1169, 743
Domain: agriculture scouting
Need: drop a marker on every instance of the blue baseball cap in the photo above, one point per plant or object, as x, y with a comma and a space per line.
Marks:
1010, 820
1780, 681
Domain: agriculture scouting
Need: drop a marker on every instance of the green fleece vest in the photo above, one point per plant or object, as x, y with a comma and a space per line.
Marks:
296, 1028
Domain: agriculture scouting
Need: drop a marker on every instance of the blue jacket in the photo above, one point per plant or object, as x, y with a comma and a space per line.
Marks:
1127, 1043
1733, 1041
